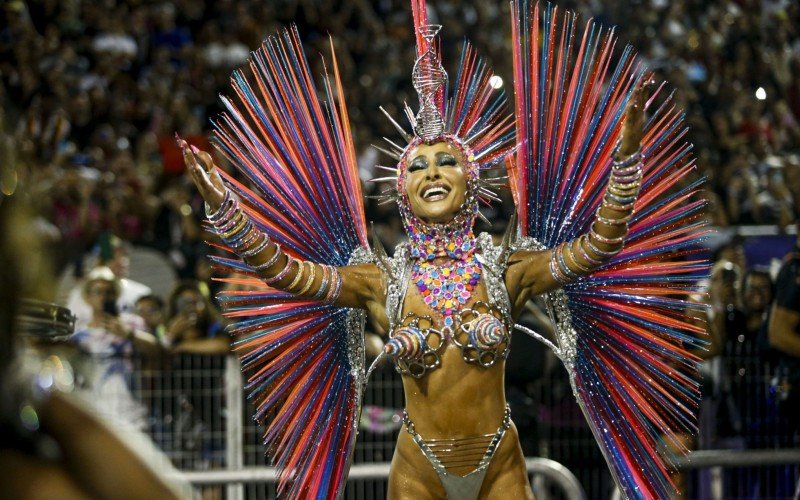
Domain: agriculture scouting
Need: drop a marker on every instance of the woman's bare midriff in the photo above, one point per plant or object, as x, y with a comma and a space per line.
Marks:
456, 400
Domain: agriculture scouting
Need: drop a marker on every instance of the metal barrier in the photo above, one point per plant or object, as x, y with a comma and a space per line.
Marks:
738, 458
194, 410
553, 471
716, 460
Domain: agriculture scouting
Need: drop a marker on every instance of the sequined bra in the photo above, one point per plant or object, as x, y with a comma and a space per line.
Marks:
481, 331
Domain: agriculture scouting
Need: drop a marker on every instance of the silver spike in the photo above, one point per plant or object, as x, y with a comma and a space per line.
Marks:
491, 184
380, 253
406, 136
389, 169
381, 179
398, 148
382, 199
410, 115
483, 218
499, 178
489, 194
388, 153
488, 150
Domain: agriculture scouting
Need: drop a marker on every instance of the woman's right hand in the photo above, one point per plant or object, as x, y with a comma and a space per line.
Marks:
204, 174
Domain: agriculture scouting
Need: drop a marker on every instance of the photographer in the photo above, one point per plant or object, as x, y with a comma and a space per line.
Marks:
110, 341
195, 325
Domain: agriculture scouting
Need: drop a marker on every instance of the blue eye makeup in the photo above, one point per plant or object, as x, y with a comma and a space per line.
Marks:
446, 161
418, 164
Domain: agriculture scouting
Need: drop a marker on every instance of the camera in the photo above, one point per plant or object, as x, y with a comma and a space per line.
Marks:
110, 307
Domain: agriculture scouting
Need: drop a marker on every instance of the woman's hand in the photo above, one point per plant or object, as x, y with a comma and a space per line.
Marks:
633, 127
204, 174
181, 327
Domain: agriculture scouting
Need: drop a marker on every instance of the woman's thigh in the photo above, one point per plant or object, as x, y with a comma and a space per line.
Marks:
507, 476
411, 475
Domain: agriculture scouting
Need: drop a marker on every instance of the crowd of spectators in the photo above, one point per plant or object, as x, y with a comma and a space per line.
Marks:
95, 91
92, 93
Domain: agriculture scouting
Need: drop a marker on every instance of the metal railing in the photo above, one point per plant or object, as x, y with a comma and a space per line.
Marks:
197, 415
549, 469
717, 460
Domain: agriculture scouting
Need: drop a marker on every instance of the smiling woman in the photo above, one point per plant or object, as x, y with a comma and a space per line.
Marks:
449, 299
436, 183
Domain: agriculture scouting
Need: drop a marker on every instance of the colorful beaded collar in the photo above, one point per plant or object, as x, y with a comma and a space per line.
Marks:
446, 285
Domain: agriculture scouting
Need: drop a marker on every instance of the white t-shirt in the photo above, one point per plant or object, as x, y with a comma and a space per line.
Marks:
130, 292
107, 371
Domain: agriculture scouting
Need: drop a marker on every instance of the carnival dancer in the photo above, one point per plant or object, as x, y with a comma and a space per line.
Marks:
587, 175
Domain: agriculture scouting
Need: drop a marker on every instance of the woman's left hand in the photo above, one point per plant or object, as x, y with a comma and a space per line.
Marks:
633, 128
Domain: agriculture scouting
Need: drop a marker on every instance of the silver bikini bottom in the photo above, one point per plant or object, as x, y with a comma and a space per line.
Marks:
444, 454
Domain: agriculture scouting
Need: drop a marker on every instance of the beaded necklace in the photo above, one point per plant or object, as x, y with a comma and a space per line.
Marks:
448, 284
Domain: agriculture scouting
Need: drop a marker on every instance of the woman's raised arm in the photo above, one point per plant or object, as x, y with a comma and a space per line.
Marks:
361, 286
533, 272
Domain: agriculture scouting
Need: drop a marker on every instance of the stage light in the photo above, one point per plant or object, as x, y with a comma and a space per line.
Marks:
761, 94
495, 82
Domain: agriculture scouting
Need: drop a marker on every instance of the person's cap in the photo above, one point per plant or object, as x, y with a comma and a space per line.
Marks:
101, 273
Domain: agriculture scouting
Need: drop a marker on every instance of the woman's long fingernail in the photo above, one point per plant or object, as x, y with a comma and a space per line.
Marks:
179, 140
194, 149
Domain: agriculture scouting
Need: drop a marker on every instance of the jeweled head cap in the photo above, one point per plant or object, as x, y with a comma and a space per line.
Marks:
474, 119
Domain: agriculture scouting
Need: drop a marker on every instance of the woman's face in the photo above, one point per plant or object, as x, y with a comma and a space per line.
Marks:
436, 183
190, 302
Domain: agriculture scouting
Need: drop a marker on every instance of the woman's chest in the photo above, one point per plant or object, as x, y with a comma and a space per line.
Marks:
422, 337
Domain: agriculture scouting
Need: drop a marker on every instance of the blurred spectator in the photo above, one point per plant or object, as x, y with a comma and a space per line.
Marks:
53, 445
110, 340
177, 231
784, 337
744, 361
196, 338
114, 254
151, 309
195, 325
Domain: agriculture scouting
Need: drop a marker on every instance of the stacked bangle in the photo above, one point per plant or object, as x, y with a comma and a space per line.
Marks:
622, 221
238, 232
236, 229
227, 204
626, 162
297, 277
283, 272
559, 268
597, 251
602, 239
569, 249
588, 258
323, 285
256, 249
309, 280
335, 287
269, 263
